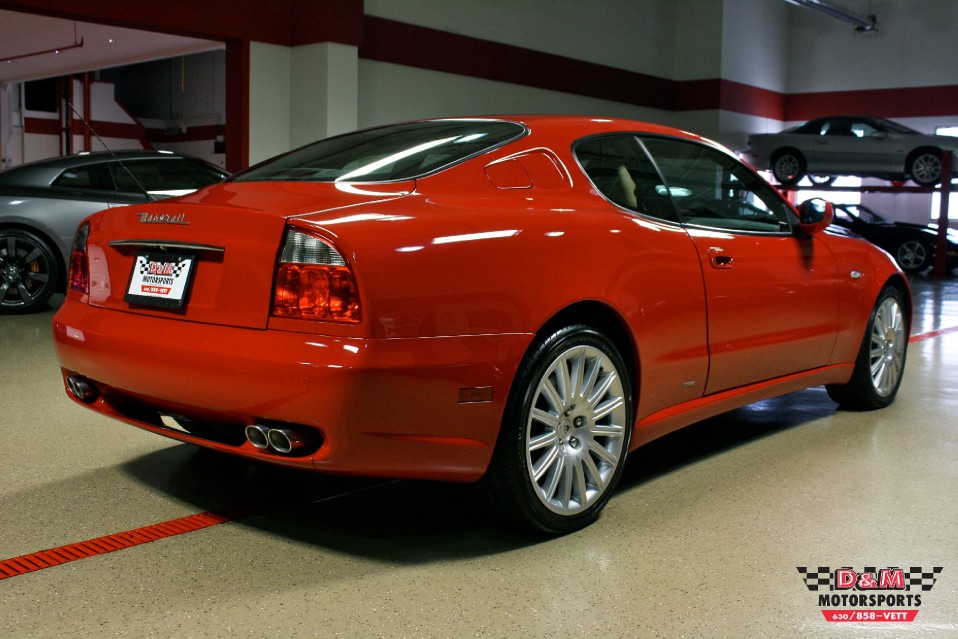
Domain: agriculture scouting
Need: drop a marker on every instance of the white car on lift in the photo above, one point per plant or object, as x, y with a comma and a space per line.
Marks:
850, 145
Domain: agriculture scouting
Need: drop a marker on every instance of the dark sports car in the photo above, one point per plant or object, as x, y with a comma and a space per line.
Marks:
912, 245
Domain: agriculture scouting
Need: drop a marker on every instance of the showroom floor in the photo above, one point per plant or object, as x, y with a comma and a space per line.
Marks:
702, 540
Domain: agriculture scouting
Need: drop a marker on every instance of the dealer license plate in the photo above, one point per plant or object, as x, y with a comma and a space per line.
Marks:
160, 279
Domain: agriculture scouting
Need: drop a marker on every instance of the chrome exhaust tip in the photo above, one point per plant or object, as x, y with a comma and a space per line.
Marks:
258, 436
82, 389
286, 441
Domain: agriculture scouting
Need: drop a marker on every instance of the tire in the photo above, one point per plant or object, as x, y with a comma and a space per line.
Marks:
788, 166
29, 272
880, 364
821, 180
924, 167
913, 256
565, 433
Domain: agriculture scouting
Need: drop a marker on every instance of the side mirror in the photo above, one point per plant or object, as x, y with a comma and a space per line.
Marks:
814, 215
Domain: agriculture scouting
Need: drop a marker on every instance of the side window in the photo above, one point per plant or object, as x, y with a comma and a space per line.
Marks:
92, 177
714, 190
621, 170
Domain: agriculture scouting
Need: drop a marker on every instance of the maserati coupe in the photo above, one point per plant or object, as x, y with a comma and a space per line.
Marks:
851, 145
515, 301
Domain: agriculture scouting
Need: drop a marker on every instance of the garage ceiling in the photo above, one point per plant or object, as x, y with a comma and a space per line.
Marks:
29, 45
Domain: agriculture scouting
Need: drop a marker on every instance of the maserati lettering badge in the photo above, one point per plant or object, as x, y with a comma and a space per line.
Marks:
162, 218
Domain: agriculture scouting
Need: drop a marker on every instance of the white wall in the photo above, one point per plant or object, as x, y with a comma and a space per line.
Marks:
269, 95
916, 45
390, 92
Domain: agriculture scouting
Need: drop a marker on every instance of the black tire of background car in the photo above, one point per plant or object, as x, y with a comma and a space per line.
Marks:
861, 393
29, 271
788, 166
913, 256
508, 483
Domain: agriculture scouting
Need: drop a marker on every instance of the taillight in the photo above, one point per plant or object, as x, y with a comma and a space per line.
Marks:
313, 281
79, 265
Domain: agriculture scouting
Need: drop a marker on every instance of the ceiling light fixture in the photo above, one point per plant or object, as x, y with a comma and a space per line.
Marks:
868, 24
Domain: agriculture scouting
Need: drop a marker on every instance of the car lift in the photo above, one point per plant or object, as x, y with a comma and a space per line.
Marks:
945, 188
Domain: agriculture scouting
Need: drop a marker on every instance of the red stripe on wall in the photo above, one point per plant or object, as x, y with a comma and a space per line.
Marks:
906, 102
424, 48
420, 47
41, 126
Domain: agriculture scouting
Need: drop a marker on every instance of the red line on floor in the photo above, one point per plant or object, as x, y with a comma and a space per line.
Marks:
127, 539
154, 532
930, 334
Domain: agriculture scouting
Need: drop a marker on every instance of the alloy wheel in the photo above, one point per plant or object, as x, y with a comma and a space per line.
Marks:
27, 271
887, 350
912, 256
575, 433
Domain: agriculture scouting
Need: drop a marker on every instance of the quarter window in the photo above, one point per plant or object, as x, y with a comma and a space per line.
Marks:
620, 169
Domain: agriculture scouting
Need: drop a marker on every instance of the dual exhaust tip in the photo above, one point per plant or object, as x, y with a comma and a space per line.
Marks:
82, 388
286, 441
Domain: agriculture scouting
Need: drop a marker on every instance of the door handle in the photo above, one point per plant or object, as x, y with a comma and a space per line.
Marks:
719, 258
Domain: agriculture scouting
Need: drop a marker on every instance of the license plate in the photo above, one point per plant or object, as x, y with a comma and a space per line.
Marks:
160, 280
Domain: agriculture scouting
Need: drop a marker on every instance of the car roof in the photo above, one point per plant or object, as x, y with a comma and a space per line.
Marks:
81, 159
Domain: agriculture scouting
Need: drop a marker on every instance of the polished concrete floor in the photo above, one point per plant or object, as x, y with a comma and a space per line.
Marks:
702, 539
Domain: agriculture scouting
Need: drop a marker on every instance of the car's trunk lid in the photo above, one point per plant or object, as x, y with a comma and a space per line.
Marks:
209, 257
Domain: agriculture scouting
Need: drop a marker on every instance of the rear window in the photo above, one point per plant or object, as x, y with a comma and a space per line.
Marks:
385, 154
164, 174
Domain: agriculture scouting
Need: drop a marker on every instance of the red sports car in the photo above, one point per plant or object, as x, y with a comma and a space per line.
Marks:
516, 300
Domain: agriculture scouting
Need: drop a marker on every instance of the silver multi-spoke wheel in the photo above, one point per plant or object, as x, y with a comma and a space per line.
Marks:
925, 169
576, 430
887, 354
880, 363
787, 167
565, 432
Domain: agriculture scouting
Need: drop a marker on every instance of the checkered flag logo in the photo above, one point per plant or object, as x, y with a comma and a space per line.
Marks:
917, 578
816, 580
143, 266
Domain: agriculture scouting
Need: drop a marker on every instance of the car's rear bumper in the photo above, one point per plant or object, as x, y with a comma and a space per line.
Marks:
424, 408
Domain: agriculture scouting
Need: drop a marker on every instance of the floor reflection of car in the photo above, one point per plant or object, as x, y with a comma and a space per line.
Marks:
851, 145
912, 245
41, 204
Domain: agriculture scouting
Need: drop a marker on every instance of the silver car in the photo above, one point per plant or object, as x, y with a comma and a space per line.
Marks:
850, 145
42, 203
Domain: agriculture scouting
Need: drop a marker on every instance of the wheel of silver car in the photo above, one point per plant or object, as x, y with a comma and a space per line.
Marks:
28, 271
913, 256
788, 166
881, 358
924, 167
565, 434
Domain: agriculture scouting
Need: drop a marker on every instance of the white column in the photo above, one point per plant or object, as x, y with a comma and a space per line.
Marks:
324, 97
